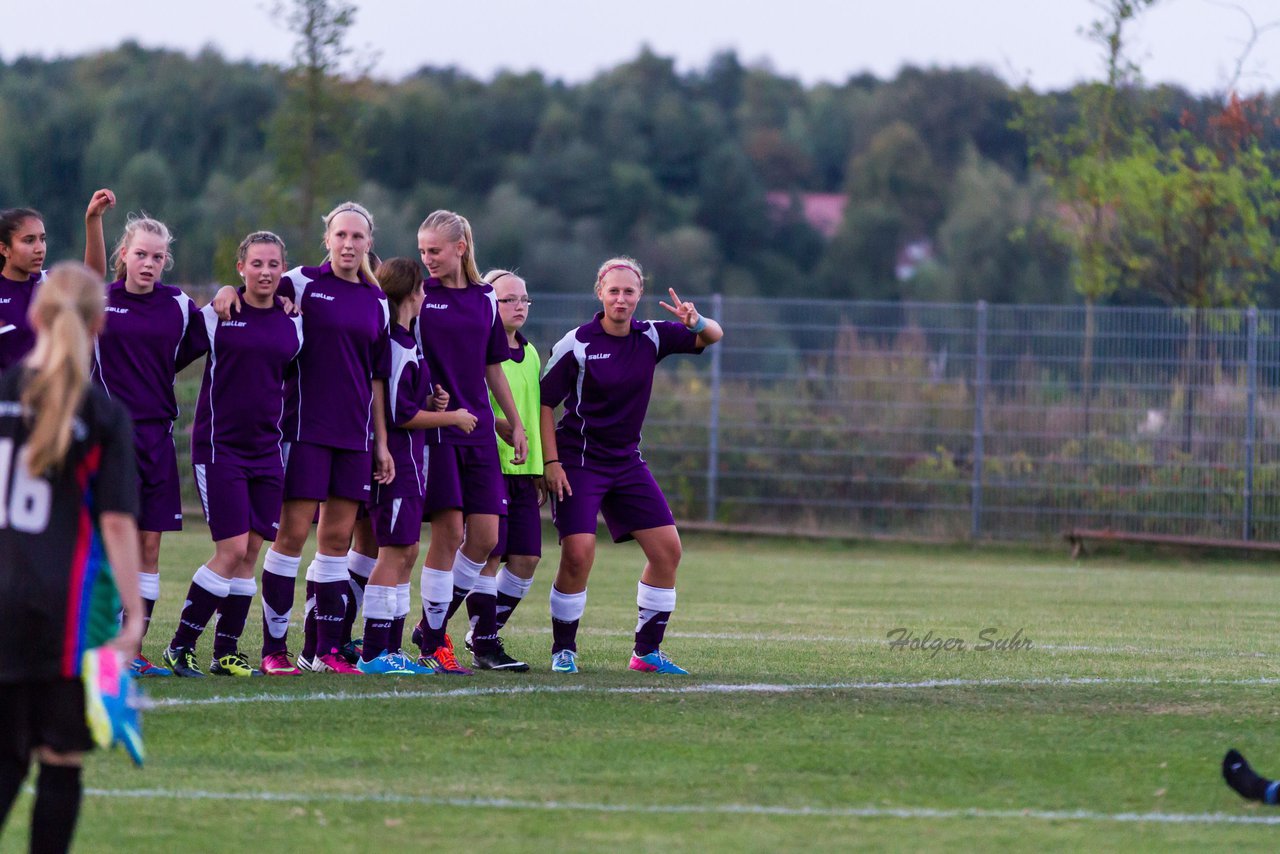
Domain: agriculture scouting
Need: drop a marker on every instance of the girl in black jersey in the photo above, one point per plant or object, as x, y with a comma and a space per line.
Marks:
68, 508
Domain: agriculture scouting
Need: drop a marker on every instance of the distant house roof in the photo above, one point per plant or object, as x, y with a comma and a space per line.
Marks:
823, 211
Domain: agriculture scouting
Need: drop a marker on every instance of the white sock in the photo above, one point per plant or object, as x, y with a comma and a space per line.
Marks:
510, 584
402, 600
437, 592
465, 571
211, 581
567, 607
282, 565
149, 585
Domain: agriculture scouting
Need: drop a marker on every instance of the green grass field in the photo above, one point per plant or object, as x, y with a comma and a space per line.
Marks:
802, 728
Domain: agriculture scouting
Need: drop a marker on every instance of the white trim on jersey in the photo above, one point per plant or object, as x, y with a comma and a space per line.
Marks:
386, 330
202, 486
401, 358
566, 345
651, 332
184, 309
97, 363
211, 327
281, 445
299, 282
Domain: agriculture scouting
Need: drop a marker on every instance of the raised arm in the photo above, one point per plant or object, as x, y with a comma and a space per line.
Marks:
95, 246
707, 330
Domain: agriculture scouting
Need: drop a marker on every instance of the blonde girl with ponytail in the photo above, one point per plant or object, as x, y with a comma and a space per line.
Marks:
462, 338
68, 501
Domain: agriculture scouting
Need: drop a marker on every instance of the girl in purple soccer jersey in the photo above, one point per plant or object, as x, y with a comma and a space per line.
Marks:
603, 373
153, 330
336, 435
236, 451
396, 508
460, 334
22, 255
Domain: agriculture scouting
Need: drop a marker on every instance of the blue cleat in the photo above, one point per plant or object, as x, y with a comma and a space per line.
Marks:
564, 661
656, 662
411, 666
388, 663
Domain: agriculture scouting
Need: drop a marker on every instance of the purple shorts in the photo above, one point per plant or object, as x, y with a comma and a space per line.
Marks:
240, 498
466, 478
629, 498
160, 494
319, 472
397, 521
520, 531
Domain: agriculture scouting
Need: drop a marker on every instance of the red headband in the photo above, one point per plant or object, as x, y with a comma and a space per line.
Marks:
607, 270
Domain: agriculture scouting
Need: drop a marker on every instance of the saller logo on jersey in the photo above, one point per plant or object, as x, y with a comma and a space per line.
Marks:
234, 323
319, 295
434, 305
598, 356
115, 310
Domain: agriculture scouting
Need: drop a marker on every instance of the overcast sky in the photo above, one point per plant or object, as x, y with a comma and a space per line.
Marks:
1194, 43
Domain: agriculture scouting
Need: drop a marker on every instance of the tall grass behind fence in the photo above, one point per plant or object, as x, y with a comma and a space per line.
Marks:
960, 421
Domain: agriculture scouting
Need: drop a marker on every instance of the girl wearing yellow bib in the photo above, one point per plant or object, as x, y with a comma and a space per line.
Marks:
499, 591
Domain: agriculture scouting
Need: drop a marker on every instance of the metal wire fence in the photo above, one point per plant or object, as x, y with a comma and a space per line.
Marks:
961, 421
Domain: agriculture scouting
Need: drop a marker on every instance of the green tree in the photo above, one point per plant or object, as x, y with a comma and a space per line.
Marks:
1079, 163
1197, 224
314, 135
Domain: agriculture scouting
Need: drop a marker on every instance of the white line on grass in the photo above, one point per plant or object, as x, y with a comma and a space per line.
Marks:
709, 688
1165, 652
692, 809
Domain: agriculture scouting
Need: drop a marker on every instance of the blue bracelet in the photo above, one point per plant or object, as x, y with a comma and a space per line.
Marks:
699, 326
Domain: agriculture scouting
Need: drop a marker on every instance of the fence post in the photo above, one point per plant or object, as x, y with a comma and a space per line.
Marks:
979, 405
1251, 372
713, 419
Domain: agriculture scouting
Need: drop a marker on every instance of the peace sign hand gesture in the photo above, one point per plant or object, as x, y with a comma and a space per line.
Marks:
684, 311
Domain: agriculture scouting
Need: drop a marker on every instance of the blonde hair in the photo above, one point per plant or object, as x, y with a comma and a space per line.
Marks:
132, 227
622, 262
65, 309
493, 276
366, 266
454, 227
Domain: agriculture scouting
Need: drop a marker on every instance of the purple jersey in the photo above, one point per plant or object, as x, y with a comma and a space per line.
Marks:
605, 381
242, 394
408, 392
460, 334
147, 340
346, 346
16, 335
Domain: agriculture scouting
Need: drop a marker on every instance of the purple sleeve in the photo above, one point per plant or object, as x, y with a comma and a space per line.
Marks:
285, 289
675, 337
497, 350
561, 372
195, 341
380, 355
411, 393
